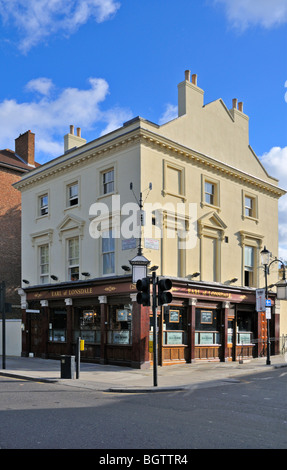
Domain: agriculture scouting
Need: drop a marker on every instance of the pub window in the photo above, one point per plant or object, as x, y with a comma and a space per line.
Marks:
120, 324
174, 325
245, 328
58, 325
87, 324
206, 327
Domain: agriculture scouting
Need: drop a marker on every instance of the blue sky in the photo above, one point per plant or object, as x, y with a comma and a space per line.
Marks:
98, 63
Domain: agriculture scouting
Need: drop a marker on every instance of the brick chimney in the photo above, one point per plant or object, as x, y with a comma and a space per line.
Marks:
25, 147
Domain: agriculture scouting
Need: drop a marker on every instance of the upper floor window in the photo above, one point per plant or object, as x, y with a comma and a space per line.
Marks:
108, 252
210, 191
73, 259
43, 205
249, 278
44, 264
108, 181
173, 179
250, 206
73, 194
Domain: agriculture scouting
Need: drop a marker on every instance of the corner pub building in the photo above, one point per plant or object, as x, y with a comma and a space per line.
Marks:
204, 322
73, 282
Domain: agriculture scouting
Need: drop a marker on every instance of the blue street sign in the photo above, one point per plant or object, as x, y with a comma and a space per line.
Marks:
268, 303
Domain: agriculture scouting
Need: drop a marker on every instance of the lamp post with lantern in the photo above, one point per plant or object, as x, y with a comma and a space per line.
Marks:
281, 290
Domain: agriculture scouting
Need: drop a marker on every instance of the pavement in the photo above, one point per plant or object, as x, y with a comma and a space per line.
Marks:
118, 379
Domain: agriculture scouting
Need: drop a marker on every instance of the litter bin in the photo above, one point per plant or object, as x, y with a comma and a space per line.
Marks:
68, 367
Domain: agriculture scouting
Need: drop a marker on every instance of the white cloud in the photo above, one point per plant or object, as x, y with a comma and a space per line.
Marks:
35, 20
49, 117
41, 85
244, 13
169, 114
275, 162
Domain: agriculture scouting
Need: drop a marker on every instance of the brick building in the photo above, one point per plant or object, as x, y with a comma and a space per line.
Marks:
13, 164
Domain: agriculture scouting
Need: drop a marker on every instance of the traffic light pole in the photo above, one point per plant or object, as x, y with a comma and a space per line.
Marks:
154, 283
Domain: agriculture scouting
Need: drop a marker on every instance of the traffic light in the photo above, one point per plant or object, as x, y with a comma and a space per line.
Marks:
143, 295
164, 297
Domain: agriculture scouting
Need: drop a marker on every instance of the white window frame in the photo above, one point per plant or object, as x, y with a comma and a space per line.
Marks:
44, 275
105, 184
43, 209
70, 260
109, 253
215, 203
72, 201
253, 210
249, 267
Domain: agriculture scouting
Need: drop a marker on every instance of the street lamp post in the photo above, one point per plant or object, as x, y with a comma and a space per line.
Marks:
281, 291
265, 258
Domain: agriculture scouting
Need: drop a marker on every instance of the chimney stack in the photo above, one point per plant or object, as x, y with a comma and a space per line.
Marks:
234, 103
72, 141
25, 147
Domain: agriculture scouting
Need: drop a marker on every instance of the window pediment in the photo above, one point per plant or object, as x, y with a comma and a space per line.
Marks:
211, 221
73, 224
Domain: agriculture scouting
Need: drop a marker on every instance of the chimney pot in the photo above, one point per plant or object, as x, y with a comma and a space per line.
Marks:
240, 106
78, 131
194, 79
72, 129
187, 75
234, 103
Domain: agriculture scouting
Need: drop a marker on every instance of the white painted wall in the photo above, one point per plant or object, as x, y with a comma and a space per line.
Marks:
13, 337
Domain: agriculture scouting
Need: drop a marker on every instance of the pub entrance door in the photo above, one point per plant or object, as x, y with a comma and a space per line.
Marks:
35, 333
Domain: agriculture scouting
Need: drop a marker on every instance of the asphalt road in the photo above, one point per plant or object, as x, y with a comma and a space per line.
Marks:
246, 414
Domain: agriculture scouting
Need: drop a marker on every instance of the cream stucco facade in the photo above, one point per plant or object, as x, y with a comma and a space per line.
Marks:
206, 144
210, 207
207, 185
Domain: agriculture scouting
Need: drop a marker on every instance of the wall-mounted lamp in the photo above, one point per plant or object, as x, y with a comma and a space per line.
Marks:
153, 268
25, 281
86, 274
234, 279
191, 276
126, 268
53, 277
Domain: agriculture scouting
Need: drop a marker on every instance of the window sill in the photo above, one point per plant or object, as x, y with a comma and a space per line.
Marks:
254, 219
212, 206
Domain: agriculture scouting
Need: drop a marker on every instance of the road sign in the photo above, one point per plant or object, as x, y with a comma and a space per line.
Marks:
268, 303
260, 300
268, 313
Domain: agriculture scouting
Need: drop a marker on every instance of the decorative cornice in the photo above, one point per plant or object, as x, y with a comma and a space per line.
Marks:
146, 137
